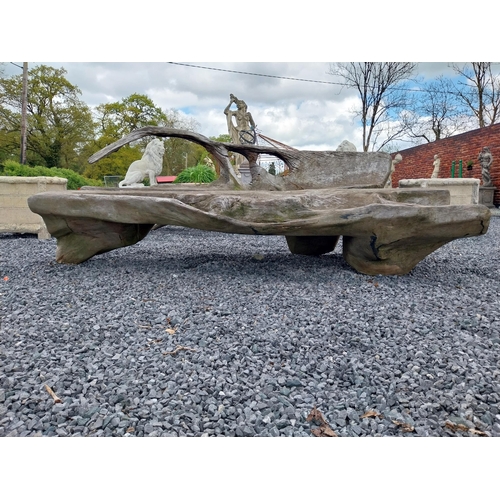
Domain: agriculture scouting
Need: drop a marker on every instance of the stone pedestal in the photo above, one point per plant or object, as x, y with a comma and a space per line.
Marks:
486, 195
462, 191
246, 176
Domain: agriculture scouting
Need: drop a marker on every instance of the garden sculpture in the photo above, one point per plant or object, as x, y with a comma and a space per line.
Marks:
485, 160
242, 128
436, 163
325, 195
150, 165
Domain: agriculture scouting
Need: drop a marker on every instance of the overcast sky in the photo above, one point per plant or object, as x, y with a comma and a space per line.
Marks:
305, 115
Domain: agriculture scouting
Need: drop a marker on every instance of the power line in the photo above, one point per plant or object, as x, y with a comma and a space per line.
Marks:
299, 79
16, 65
259, 74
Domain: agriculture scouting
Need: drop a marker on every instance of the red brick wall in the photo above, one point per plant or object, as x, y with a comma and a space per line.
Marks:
418, 161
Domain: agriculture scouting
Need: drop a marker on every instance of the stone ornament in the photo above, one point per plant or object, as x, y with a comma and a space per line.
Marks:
150, 165
240, 125
209, 163
485, 160
346, 146
436, 163
397, 159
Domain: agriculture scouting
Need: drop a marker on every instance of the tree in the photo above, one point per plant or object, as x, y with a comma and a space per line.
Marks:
179, 153
115, 120
436, 113
378, 85
231, 155
480, 92
59, 123
221, 138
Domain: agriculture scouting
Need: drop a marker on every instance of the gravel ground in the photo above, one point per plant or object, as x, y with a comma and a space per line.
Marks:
192, 333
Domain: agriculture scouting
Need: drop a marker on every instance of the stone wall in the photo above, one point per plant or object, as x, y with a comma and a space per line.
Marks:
417, 162
15, 215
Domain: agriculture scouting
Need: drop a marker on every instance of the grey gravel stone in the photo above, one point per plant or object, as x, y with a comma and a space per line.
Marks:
266, 341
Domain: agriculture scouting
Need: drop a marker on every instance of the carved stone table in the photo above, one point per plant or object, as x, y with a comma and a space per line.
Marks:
385, 231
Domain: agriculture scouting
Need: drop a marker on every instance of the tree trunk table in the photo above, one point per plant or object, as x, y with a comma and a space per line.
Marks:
384, 231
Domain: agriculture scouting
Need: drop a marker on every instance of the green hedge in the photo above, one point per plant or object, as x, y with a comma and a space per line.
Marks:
199, 174
75, 181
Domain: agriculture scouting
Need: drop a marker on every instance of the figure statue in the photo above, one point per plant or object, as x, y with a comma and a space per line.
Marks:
150, 164
243, 131
395, 161
437, 163
485, 160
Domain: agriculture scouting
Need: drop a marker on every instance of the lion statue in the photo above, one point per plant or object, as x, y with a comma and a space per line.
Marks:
150, 164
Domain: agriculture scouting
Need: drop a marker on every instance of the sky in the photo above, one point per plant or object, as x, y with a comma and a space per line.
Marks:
315, 114
305, 115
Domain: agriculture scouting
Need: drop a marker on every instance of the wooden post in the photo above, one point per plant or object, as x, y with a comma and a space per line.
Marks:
24, 113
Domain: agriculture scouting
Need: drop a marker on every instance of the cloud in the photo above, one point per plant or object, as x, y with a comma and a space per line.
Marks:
303, 114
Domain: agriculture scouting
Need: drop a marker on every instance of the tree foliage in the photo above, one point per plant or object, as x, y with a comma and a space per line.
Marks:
75, 181
222, 138
59, 123
113, 121
116, 119
180, 153
378, 85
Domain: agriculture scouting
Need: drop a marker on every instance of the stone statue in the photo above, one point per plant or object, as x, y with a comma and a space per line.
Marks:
395, 161
150, 164
437, 163
346, 146
209, 163
242, 129
485, 160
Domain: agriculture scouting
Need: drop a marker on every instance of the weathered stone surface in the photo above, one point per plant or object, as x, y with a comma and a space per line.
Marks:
346, 146
15, 215
386, 231
307, 169
487, 195
462, 191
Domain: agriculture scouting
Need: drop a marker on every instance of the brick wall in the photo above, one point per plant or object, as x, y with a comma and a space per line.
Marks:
418, 161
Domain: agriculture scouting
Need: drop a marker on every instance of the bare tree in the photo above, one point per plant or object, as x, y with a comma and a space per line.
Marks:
480, 92
436, 113
382, 97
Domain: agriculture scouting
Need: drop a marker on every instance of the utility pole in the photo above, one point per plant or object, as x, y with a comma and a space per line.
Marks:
24, 113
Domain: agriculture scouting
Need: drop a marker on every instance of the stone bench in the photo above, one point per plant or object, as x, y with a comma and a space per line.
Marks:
15, 215
385, 231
